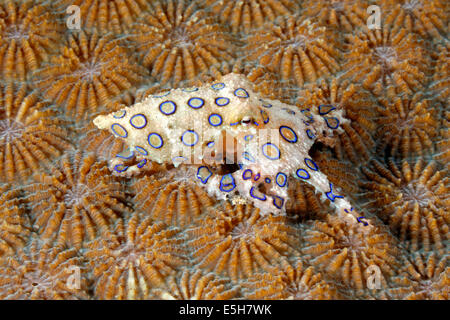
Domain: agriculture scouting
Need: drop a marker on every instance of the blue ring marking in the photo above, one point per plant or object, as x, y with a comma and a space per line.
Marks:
222, 186
266, 155
267, 180
189, 89
305, 122
234, 123
174, 107
116, 124
256, 123
190, 144
327, 121
310, 134
351, 209
124, 157
289, 111
165, 94
142, 163
245, 175
161, 142
257, 176
123, 166
204, 180
138, 115
222, 101
215, 115
241, 166
323, 109
363, 222
210, 144
248, 137
264, 116
218, 86
253, 196
277, 178
306, 176
247, 156
194, 100
265, 105
241, 93
141, 150
123, 113
293, 140
330, 194
275, 198
311, 164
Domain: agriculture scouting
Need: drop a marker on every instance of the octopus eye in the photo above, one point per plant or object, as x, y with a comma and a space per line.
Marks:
246, 120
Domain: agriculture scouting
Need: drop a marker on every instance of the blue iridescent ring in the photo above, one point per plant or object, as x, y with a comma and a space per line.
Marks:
196, 103
120, 168
229, 186
241, 93
204, 180
195, 138
311, 164
325, 109
275, 198
310, 134
215, 119
119, 114
329, 121
247, 174
218, 86
156, 136
142, 163
264, 198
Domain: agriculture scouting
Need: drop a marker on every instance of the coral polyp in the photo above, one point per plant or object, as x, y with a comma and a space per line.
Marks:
347, 253
31, 134
412, 197
379, 58
29, 32
407, 125
43, 271
172, 198
115, 16
140, 256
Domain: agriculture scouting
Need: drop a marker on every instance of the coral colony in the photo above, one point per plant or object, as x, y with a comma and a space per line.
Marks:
227, 122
